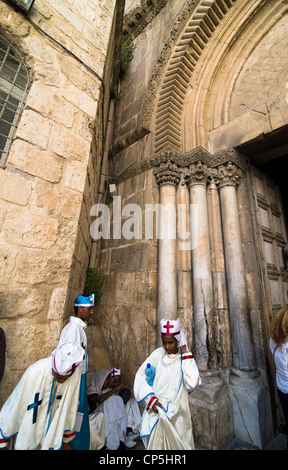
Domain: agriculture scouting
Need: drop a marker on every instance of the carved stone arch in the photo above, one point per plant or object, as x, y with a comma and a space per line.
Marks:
170, 86
189, 93
206, 112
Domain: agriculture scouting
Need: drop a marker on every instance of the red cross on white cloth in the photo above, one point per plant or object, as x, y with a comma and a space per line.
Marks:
170, 325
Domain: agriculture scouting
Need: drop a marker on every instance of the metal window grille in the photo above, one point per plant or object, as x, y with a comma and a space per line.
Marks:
13, 89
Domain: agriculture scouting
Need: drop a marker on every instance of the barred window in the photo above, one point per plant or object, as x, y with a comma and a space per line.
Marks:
13, 89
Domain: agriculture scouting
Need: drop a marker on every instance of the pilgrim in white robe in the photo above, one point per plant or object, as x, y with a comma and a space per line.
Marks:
75, 331
131, 405
41, 412
175, 376
133, 415
115, 420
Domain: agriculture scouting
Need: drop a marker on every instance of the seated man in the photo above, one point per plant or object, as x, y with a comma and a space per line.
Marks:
103, 398
131, 407
41, 411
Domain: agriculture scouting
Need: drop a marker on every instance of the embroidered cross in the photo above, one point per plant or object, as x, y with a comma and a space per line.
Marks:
168, 326
34, 406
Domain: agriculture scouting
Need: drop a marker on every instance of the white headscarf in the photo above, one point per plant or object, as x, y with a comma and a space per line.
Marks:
97, 382
66, 357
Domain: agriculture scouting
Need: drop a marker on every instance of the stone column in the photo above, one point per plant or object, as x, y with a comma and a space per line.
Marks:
247, 388
210, 402
222, 326
196, 177
242, 342
184, 286
167, 176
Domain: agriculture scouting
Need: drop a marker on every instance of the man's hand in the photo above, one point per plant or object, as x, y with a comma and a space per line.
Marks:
155, 404
67, 446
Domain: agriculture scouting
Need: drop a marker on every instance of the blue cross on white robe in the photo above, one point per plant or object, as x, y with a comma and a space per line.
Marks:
34, 406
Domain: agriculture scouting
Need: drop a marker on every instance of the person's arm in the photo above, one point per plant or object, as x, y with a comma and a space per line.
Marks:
108, 394
191, 376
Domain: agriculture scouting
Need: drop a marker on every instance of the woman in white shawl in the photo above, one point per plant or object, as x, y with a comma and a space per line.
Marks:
166, 422
115, 421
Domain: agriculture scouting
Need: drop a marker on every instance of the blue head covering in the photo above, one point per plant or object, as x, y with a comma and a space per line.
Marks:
82, 301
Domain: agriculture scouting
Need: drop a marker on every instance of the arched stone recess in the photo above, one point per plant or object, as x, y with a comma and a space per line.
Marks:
213, 116
184, 56
187, 98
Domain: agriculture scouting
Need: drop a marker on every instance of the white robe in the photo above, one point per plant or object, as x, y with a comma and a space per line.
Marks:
27, 412
115, 420
97, 430
133, 415
174, 378
75, 331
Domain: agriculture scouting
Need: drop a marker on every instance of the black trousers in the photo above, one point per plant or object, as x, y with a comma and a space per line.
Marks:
283, 397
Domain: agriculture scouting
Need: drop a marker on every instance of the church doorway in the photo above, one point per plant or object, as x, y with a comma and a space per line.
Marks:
269, 205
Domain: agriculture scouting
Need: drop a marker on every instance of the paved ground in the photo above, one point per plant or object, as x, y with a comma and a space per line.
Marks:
277, 443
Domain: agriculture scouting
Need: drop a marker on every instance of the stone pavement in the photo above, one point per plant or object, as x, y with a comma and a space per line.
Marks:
277, 443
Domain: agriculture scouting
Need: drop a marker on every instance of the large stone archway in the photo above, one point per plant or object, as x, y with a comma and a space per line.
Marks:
215, 94
179, 139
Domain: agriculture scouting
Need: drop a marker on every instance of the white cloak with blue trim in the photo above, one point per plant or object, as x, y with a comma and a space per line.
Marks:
75, 331
174, 378
38, 412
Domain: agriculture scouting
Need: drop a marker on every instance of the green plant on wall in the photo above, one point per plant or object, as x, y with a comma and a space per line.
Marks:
127, 54
92, 283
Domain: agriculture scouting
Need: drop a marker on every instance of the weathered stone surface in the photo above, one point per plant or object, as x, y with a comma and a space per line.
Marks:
14, 188
21, 302
23, 227
45, 193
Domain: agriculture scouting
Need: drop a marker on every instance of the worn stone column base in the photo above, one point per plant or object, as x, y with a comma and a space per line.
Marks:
252, 418
211, 412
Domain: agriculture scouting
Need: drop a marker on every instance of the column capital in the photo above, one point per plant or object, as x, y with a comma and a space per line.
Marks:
197, 173
226, 175
167, 173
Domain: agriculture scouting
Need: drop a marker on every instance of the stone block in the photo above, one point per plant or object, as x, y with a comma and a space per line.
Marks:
39, 268
22, 302
211, 415
14, 188
46, 102
68, 144
8, 260
23, 227
251, 409
34, 129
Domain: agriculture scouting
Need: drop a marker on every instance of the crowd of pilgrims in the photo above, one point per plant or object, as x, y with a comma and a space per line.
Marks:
54, 406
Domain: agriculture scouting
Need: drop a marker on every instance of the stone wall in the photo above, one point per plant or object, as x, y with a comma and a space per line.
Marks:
51, 176
182, 100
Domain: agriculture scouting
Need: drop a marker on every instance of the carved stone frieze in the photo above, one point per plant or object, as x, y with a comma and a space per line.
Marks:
231, 155
136, 20
219, 166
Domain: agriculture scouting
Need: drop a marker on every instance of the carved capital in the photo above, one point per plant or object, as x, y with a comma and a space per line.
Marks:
167, 173
227, 175
197, 173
